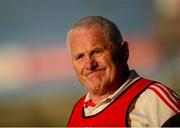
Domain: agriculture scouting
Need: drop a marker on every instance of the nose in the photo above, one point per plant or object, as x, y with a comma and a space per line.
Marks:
91, 63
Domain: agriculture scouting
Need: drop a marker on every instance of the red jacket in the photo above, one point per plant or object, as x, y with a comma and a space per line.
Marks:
116, 114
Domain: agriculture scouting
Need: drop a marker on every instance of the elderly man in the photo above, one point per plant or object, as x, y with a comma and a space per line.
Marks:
116, 95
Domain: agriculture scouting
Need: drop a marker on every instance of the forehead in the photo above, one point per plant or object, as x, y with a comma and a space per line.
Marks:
87, 38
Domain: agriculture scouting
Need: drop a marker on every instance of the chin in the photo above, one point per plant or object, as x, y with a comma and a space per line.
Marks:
93, 87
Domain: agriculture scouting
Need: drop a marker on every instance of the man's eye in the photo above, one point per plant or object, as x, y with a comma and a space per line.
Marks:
78, 57
97, 51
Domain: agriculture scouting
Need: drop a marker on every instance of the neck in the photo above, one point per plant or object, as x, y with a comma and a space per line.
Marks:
97, 98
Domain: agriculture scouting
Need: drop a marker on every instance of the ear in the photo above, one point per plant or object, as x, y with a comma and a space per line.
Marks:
125, 50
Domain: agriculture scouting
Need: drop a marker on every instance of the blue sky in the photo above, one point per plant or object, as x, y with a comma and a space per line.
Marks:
32, 21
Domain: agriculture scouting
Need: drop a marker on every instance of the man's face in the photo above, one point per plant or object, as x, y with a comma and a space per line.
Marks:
92, 61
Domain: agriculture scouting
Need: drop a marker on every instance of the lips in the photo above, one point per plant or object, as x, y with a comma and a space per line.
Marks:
90, 73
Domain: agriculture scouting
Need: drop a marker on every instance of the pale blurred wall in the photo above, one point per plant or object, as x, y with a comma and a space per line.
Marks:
167, 32
38, 86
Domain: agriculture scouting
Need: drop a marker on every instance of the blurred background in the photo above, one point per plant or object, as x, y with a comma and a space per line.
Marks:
38, 86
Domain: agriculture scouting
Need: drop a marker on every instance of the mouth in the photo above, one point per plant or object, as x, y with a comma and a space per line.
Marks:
95, 73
